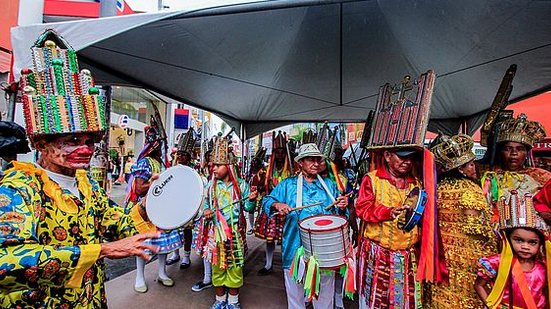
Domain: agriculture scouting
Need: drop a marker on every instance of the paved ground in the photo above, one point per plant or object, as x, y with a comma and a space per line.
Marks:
258, 292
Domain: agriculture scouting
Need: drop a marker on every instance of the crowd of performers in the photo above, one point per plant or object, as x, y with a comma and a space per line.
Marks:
482, 241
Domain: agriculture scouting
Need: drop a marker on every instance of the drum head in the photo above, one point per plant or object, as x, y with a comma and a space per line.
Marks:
174, 199
322, 223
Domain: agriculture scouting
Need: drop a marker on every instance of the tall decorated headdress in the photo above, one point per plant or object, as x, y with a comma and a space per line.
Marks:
520, 130
260, 153
308, 137
187, 142
517, 211
279, 140
400, 121
57, 97
452, 152
220, 153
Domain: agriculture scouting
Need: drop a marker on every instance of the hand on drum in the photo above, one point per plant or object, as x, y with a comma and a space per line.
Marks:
398, 210
282, 208
208, 214
130, 246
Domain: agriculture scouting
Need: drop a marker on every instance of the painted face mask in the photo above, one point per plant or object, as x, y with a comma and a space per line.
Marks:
73, 151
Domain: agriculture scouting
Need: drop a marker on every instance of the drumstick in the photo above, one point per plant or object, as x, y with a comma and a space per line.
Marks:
336, 202
306, 206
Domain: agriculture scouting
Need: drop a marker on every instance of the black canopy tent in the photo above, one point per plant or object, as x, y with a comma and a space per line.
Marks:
269, 63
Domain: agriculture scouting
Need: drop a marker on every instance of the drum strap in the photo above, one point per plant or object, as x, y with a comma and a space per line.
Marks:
300, 183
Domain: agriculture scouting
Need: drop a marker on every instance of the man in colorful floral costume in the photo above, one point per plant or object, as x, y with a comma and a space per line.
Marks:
305, 189
387, 257
55, 218
270, 227
226, 195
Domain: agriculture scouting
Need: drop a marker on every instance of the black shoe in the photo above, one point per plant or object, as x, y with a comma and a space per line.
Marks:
185, 265
199, 286
171, 261
265, 271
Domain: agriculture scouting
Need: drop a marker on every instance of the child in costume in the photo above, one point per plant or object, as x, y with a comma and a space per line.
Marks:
225, 243
517, 277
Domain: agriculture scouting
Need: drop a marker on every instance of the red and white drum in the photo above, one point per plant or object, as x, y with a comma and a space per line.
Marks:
325, 237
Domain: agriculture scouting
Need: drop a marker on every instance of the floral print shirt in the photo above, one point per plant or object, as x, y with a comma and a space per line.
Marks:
50, 240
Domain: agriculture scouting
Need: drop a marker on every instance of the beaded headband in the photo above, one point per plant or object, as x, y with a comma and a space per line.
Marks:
57, 98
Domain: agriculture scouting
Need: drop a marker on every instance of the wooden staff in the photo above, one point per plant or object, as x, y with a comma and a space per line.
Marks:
306, 206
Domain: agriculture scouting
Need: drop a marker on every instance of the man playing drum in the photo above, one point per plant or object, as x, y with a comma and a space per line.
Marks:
305, 189
56, 220
226, 194
270, 227
183, 156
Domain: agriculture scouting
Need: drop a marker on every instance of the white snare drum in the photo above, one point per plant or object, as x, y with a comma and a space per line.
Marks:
325, 237
176, 198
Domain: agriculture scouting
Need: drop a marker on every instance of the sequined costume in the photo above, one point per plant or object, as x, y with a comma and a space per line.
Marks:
464, 220
50, 240
386, 255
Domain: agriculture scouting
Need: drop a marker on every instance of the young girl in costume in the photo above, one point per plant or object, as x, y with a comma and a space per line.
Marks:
517, 278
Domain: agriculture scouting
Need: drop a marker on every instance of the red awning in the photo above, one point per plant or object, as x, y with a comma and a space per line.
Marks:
537, 108
5, 62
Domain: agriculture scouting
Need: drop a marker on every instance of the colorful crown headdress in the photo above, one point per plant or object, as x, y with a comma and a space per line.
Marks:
279, 140
57, 98
220, 154
518, 211
309, 137
452, 152
520, 130
187, 141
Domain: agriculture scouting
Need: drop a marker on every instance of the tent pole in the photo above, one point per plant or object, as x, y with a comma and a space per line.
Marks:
340, 53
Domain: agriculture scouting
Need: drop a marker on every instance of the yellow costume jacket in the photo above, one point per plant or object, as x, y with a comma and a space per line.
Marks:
50, 240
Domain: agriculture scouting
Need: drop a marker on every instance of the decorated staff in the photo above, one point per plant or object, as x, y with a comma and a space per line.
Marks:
224, 244
307, 188
58, 223
269, 227
464, 220
184, 155
396, 142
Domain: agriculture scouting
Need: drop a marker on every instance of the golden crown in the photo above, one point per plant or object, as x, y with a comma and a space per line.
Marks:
452, 152
520, 130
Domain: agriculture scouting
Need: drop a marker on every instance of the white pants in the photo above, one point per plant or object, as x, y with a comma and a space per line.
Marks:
295, 292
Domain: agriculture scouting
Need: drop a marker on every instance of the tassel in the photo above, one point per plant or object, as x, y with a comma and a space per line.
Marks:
312, 279
349, 278
295, 265
493, 300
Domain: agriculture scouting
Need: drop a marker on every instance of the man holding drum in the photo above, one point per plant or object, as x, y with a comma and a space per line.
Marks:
306, 189
55, 219
224, 247
387, 259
